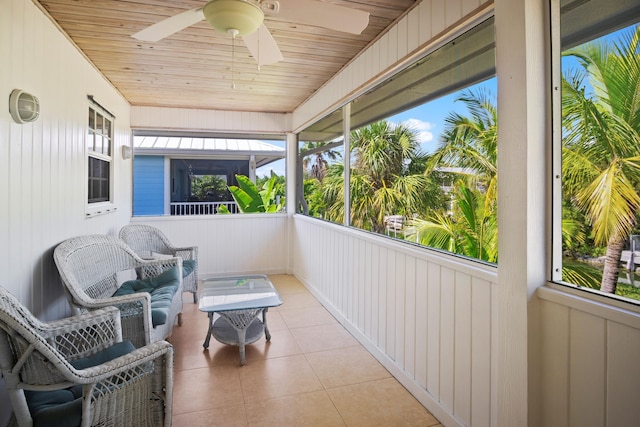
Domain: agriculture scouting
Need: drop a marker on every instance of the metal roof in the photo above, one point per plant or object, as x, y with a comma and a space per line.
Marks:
213, 144
213, 148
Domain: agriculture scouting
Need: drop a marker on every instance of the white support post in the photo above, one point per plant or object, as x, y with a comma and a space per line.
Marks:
523, 70
292, 171
168, 185
346, 131
292, 185
252, 168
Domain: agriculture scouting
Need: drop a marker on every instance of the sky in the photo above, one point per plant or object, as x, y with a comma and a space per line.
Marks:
428, 119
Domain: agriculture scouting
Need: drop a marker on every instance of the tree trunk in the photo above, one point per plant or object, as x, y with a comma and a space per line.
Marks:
612, 266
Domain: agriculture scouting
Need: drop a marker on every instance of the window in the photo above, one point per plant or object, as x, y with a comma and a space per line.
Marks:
411, 176
597, 190
194, 175
99, 149
320, 162
201, 186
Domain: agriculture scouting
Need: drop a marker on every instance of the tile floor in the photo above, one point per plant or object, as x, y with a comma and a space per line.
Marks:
313, 373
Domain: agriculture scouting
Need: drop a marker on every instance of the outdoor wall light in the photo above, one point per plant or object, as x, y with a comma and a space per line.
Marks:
126, 152
23, 106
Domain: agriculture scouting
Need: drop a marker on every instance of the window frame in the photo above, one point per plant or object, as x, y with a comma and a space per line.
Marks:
105, 204
173, 153
360, 109
556, 197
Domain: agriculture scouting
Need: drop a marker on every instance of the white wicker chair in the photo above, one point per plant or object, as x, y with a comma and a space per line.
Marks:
89, 266
145, 240
134, 389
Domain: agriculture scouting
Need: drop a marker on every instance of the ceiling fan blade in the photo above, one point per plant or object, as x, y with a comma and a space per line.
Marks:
263, 46
169, 26
325, 15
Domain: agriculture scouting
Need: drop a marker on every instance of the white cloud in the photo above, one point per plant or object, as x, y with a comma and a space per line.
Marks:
422, 128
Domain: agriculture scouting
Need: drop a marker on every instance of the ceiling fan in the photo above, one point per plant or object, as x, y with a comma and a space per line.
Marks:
245, 18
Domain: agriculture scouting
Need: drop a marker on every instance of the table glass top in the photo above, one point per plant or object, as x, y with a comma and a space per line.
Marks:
237, 293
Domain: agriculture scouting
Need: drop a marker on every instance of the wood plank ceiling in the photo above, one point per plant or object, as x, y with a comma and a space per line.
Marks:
193, 67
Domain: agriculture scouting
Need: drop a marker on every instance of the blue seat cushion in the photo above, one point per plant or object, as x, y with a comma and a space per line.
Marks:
188, 265
63, 408
162, 288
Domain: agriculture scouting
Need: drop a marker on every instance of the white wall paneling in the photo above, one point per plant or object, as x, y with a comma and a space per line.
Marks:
589, 362
426, 316
192, 120
43, 163
230, 244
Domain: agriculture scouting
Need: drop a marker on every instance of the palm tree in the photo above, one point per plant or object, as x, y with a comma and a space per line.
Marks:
471, 142
382, 180
317, 163
471, 230
601, 142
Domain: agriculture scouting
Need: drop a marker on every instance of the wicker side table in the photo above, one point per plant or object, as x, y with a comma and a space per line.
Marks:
239, 301
238, 328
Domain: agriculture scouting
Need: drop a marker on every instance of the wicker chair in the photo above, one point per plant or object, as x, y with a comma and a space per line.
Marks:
71, 368
89, 267
146, 241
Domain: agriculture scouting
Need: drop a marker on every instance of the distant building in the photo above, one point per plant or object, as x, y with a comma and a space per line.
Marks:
165, 169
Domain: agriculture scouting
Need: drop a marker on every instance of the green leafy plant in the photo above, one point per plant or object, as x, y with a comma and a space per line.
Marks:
250, 199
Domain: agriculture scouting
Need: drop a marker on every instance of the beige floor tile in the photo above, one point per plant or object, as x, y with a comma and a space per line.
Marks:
304, 317
323, 337
195, 324
279, 377
223, 354
229, 416
313, 372
344, 366
380, 403
287, 284
189, 352
299, 300
308, 409
201, 389
282, 344
275, 322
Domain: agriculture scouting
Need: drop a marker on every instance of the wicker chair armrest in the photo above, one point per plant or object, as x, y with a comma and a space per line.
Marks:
84, 334
191, 250
151, 268
103, 315
124, 363
143, 298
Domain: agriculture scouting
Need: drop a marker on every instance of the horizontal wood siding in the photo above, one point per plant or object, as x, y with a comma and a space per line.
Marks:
193, 120
429, 318
589, 355
148, 185
43, 165
230, 244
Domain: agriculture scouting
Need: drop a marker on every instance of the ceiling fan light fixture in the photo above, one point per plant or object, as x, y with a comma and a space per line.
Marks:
240, 15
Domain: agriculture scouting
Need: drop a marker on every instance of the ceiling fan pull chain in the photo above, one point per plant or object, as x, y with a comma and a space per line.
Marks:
233, 33
258, 58
233, 56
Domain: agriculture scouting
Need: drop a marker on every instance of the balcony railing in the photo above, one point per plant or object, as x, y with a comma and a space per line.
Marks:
201, 208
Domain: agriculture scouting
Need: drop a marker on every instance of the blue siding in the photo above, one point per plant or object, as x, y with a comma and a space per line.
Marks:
148, 185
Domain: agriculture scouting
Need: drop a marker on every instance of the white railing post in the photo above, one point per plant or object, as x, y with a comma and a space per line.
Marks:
201, 208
